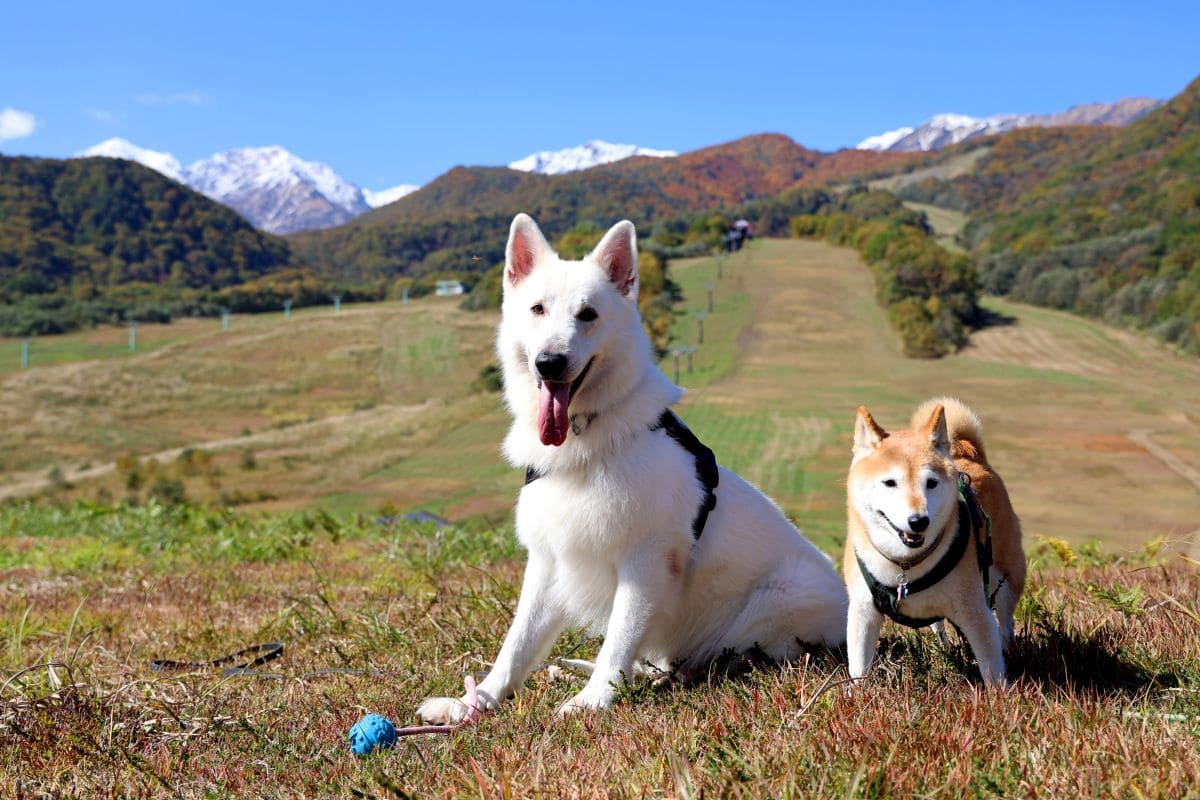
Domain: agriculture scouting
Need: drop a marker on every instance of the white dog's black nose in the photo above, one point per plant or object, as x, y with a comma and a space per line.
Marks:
551, 366
918, 523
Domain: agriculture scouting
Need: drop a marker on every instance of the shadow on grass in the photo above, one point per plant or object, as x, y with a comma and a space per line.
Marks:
988, 318
1046, 657
1070, 660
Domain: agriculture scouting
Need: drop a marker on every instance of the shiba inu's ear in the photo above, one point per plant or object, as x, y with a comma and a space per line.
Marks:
935, 429
617, 255
867, 433
526, 245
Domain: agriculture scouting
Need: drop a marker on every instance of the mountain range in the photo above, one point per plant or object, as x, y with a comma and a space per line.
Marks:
458, 221
275, 190
280, 192
944, 130
585, 156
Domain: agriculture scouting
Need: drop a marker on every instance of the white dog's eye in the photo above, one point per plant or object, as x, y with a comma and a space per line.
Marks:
587, 314
931, 483
890, 483
538, 309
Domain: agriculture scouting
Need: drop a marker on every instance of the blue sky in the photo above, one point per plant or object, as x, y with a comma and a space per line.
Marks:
399, 92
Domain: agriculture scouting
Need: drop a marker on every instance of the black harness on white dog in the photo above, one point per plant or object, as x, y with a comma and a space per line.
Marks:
706, 465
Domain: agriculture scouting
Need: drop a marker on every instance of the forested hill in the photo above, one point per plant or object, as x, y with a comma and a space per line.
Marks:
1103, 222
466, 212
92, 224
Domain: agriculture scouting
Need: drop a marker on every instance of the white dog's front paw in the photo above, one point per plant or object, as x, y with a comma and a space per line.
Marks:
587, 700
449, 711
442, 711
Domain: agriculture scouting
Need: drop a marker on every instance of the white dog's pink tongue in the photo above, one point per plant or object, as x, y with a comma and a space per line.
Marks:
552, 412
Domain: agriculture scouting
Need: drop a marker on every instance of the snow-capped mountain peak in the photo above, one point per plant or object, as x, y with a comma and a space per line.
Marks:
588, 154
885, 140
942, 130
116, 147
248, 168
385, 196
270, 186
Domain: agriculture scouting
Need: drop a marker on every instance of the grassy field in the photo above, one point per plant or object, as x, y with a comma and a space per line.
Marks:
1106, 699
1096, 432
374, 408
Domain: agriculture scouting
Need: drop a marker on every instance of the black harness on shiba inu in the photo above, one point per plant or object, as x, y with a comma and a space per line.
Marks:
706, 465
971, 518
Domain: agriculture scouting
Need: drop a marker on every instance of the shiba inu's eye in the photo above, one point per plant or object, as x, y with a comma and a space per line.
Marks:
890, 483
587, 314
538, 309
931, 483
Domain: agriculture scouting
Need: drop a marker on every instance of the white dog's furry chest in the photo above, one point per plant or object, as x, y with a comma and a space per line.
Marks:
587, 525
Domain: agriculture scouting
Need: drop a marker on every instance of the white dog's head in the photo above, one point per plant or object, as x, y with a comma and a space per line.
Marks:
570, 330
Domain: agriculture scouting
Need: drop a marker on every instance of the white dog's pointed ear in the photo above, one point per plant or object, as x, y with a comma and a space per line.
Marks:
936, 430
526, 245
867, 433
617, 256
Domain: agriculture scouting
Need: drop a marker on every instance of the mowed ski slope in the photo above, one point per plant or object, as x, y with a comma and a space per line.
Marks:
1067, 404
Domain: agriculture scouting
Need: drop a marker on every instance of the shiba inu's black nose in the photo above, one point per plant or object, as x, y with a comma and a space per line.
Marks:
918, 523
551, 366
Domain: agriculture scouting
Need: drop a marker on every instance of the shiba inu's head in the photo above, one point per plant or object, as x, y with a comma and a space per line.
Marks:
570, 340
903, 485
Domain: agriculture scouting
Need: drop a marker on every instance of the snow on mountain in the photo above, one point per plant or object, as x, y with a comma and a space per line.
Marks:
276, 190
885, 140
947, 129
273, 188
385, 196
164, 163
589, 154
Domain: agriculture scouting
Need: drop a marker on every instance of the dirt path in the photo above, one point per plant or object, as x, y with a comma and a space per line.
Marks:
1184, 470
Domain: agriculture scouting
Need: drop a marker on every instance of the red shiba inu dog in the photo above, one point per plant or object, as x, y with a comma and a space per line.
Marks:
931, 536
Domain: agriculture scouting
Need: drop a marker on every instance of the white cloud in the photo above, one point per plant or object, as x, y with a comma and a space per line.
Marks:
16, 124
193, 98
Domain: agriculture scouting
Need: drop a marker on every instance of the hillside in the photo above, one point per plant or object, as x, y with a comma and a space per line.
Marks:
70, 231
995, 172
1113, 232
379, 405
466, 212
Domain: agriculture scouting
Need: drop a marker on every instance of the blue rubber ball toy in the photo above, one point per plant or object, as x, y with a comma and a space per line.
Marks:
370, 732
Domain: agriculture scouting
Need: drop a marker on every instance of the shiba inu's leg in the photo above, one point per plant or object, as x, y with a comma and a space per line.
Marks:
535, 626
1006, 605
862, 636
979, 626
639, 596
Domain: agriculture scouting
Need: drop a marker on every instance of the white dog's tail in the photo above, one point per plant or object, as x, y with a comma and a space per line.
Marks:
962, 424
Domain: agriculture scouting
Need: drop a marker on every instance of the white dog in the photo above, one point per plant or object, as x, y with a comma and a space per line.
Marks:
633, 531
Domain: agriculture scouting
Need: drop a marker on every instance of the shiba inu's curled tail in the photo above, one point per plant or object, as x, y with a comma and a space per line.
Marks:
963, 425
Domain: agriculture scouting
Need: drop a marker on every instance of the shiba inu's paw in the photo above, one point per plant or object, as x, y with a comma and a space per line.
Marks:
586, 701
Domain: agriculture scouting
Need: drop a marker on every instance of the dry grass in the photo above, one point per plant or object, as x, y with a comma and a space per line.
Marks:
1106, 700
